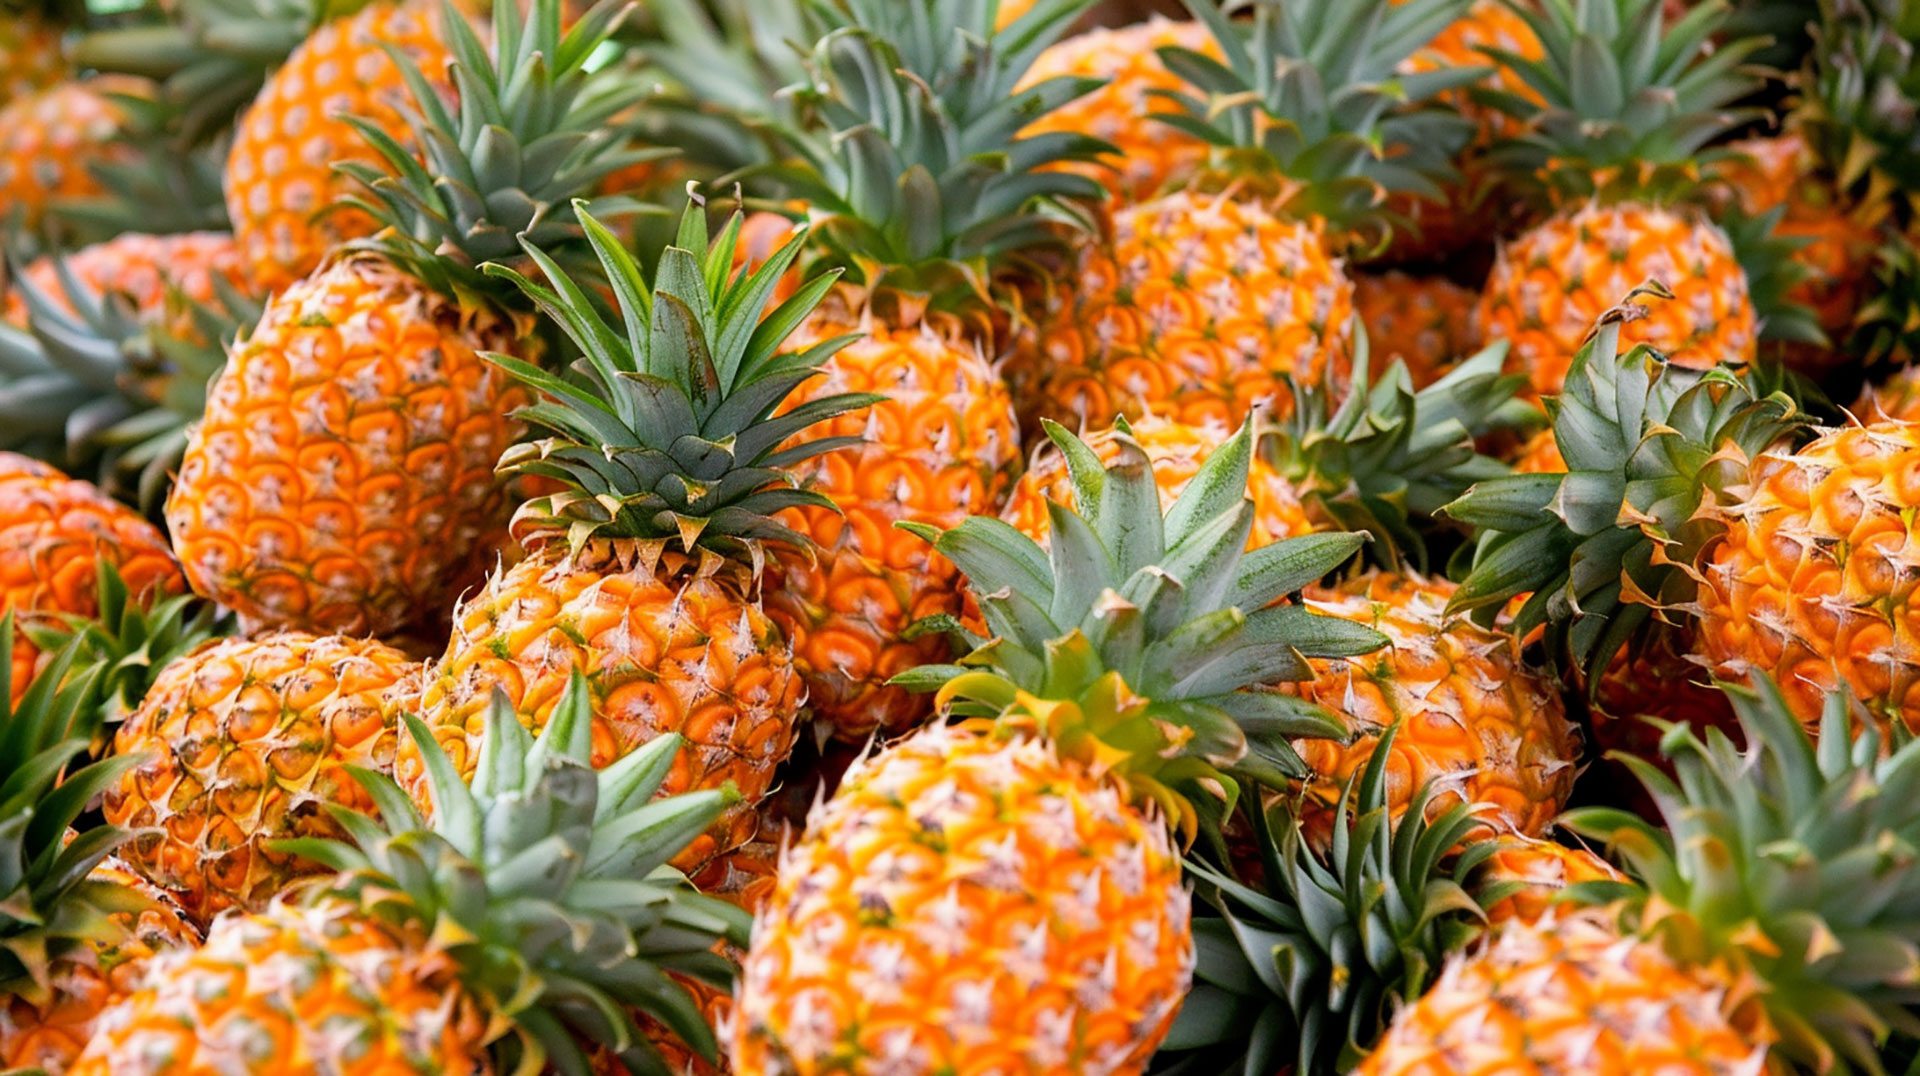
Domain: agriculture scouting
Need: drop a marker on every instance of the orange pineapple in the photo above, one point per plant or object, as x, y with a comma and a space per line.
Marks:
1896, 399
386, 968
1199, 304
986, 896
1423, 321
283, 192
48, 139
1475, 724
1540, 454
648, 586
244, 743
1539, 873
1126, 62
54, 532
31, 56
343, 477
159, 273
1615, 178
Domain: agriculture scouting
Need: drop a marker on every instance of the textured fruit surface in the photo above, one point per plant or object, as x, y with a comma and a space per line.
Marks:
30, 55
154, 271
54, 531
1423, 321
1813, 583
48, 139
1193, 311
1474, 723
1896, 399
245, 743
344, 470
1177, 453
1566, 995
85, 983
1551, 284
941, 447
1126, 60
280, 170
1543, 870
293, 991
1464, 42
684, 654
967, 905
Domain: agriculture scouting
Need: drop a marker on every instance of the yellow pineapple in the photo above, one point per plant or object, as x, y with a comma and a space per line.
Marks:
1423, 321
434, 950
1535, 876
283, 192
342, 479
649, 583
49, 140
1615, 179
1724, 956
160, 274
1199, 304
1003, 892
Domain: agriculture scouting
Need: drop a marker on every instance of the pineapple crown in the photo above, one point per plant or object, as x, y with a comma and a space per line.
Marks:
1607, 548
1388, 454
1887, 328
531, 132
49, 908
672, 434
89, 380
727, 62
1623, 102
1147, 646
910, 158
1795, 858
545, 884
1860, 95
1310, 99
1317, 953
1767, 258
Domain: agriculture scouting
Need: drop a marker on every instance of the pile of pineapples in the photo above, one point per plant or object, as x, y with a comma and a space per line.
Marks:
960, 537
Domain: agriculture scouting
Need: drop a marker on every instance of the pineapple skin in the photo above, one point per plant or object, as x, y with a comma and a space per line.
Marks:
48, 140
967, 904
343, 473
156, 272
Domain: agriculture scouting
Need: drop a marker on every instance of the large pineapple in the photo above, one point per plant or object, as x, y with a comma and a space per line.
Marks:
668, 465
74, 928
923, 188
1609, 147
342, 477
246, 742
54, 531
1197, 305
531, 921
1003, 891
1756, 939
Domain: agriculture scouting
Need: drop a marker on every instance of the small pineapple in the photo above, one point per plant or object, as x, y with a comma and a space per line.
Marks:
50, 140
530, 922
1423, 321
159, 274
1016, 868
1536, 876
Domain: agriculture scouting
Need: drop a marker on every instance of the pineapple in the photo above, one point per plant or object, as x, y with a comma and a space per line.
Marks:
50, 142
1002, 892
1198, 304
244, 743
1311, 950
1423, 321
913, 122
54, 530
1475, 725
1535, 876
285, 196
31, 56
1615, 174
157, 274
342, 477
1125, 60
1755, 940
75, 929
1896, 399
527, 924
643, 565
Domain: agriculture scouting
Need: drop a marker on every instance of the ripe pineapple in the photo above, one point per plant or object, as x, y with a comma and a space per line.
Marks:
244, 743
1312, 948
526, 924
49, 140
642, 566
1728, 955
75, 929
1615, 177
1535, 877
342, 478
1423, 321
1126, 62
924, 310
285, 196
1475, 725
1198, 305
157, 273
54, 531
1014, 870
31, 56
